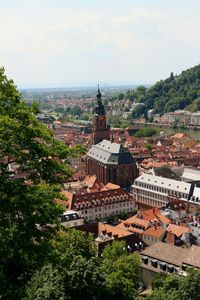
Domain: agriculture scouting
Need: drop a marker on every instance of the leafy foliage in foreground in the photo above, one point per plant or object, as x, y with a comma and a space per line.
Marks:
38, 260
82, 275
174, 287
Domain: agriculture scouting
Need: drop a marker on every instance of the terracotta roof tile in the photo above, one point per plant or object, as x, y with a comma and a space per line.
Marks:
178, 230
155, 231
114, 230
154, 214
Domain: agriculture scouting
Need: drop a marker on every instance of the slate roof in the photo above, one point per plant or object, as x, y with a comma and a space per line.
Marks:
165, 172
191, 174
178, 186
107, 152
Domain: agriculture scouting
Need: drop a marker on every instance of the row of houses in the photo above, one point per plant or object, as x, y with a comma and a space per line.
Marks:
179, 117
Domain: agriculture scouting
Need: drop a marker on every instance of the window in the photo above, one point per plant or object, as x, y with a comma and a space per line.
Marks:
154, 263
145, 260
162, 266
170, 268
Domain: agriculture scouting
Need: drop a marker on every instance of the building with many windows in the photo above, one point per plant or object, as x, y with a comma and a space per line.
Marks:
165, 258
155, 191
101, 204
70, 218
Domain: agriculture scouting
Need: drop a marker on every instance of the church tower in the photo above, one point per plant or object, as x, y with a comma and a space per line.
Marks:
101, 131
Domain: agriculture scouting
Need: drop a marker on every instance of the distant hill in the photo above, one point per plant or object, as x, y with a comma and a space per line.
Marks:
173, 93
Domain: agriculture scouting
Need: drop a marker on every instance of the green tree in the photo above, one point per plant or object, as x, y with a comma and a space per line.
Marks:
145, 132
115, 121
120, 96
47, 283
83, 279
148, 146
120, 271
77, 110
27, 206
174, 287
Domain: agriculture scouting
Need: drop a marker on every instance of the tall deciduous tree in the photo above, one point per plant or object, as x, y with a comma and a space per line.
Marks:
120, 272
26, 202
175, 287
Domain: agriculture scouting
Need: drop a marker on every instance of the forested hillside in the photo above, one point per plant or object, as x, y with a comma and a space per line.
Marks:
175, 92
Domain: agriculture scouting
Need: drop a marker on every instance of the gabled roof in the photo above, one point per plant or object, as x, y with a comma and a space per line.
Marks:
134, 224
193, 259
110, 186
178, 230
110, 153
154, 231
173, 254
167, 253
135, 220
178, 186
154, 214
165, 172
116, 232
93, 197
179, 136
191, 174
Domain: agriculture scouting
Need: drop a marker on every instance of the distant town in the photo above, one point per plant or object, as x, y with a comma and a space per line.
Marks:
134, 183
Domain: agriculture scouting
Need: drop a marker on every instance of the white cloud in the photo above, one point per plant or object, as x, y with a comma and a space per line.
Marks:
64, 40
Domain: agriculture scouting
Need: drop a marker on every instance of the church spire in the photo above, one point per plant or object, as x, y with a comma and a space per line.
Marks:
98, 93
99, 109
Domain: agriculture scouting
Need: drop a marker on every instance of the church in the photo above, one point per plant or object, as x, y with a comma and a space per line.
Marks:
109, 161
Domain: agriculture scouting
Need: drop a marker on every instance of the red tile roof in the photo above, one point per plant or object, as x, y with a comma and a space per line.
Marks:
154, 231
115, 231
97, 198
154, 214
134, 224
178, 230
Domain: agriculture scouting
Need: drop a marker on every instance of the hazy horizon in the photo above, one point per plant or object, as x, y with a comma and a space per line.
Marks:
79, 43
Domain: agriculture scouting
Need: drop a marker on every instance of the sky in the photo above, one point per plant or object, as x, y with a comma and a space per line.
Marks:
62, 43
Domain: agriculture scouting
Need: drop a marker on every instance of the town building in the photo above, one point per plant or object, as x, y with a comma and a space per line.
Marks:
154, 191
179, 235
111, 162
70, 218
149, 225
165, 258
110, 201
107, 234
